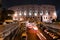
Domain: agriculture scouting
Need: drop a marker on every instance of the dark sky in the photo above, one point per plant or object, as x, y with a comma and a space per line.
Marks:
10, 3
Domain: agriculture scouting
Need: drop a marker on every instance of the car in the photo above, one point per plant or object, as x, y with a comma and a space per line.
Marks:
24, 36
46, 31
53, 36
8, 21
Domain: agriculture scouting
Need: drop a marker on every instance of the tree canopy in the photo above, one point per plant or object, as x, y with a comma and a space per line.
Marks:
4, 14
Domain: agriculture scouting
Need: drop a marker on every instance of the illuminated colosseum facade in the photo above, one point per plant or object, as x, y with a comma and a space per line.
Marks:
44, 13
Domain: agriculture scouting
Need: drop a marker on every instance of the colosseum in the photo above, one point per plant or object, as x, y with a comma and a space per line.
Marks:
44, 13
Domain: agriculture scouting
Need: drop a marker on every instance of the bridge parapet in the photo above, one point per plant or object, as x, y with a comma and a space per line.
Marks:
8, 29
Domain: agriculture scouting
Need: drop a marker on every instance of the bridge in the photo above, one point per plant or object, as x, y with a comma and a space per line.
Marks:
8, 30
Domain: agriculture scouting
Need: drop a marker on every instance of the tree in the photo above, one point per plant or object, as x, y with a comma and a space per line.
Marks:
11, 12
5, 13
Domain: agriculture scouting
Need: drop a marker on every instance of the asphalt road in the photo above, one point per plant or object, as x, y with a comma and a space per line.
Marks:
37, 35
31, 35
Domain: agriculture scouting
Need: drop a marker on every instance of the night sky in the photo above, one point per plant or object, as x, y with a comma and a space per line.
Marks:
10, 3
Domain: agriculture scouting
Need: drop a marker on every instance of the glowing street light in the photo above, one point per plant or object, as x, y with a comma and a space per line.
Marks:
35, 28
20, 14
15, 14
21, 19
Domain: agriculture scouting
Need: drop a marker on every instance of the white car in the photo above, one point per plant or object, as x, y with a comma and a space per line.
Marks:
32, 26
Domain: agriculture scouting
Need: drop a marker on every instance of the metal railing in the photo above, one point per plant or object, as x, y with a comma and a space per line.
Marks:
8, 29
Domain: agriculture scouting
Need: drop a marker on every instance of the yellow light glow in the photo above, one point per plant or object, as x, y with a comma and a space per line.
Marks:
20, 14
21, 19
15, 14
35, 14
30, 14
55, 14
25, 13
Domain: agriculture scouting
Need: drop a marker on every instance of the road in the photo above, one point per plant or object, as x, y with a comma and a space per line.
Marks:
31, 35
37, 35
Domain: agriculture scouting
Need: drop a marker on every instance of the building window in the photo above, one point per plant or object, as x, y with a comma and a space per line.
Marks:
24, 13
30, 13
35, 14
44, 17
41, 13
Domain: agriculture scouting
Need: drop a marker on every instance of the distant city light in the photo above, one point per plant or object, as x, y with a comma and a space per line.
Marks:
21, 19
9, 14
15, 14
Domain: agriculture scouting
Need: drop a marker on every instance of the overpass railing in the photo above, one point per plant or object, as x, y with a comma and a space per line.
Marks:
8, 29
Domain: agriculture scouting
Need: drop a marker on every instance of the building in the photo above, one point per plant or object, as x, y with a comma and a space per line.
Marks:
44, 13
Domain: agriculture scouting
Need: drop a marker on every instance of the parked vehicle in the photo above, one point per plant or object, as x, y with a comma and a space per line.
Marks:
24, 36
8, 21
